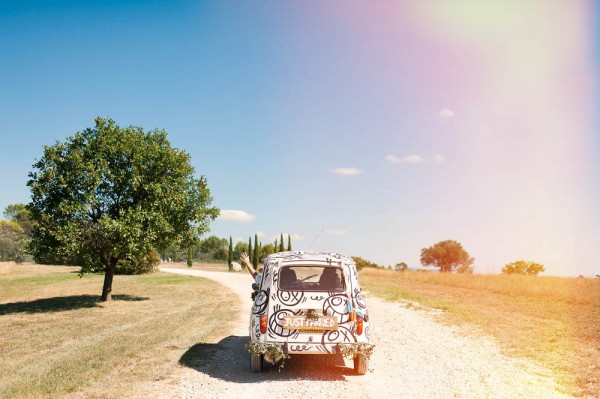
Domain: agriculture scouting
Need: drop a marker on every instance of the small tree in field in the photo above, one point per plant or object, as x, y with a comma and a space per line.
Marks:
230, 255
109, 193
522, 267
401, 267
448, 255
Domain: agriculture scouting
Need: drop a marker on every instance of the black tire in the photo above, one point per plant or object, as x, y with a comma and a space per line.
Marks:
256, 362
361, 364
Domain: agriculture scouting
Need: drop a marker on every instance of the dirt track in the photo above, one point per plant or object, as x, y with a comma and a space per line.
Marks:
414, 357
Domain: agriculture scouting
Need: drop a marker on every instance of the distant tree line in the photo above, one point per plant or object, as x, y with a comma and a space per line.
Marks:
450, 256
217, 249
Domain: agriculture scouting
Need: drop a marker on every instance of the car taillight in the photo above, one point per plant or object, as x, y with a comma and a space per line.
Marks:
359, 325
263, 323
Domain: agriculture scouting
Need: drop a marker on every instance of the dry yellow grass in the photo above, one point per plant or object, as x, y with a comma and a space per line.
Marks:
553, 320
56, 339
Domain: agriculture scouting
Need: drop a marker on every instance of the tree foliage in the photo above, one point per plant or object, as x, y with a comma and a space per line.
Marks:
212, 243
238, 249
19, 214
448, 255
522, 267
255, 252
12, 241
400, 267
109, 194
230, 254
362, 263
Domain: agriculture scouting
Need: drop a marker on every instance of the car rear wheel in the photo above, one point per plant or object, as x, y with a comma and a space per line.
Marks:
256, 361
361, 364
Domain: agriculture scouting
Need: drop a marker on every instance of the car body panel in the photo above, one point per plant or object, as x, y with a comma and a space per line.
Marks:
318, 302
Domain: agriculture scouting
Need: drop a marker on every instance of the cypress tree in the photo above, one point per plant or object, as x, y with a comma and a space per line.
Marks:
275, 246
230, 254
255, 252
281, 249
250, 249
289, 248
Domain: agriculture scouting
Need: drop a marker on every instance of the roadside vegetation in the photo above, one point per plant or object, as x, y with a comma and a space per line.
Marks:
552, 320
59, 340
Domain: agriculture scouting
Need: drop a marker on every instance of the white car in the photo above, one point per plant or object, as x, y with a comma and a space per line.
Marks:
309, 303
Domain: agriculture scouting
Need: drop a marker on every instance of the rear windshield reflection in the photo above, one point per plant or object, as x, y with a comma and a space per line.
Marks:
311, 278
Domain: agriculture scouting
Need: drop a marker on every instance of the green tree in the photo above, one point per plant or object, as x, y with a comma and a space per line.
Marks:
12, 241
238, 249
255, 252
289, 247
230, 255
522, 267
281, 249
19, 214
213, 243
250, 254
265, 250
275, 246
111, 193
401, 267
448, 255
220, 254
362, 263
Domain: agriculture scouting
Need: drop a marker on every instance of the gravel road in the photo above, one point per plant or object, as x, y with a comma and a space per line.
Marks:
414, 357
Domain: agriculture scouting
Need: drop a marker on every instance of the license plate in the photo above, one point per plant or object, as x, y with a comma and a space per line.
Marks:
302, 323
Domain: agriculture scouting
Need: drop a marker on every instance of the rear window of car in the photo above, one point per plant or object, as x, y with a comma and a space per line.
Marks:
311, 278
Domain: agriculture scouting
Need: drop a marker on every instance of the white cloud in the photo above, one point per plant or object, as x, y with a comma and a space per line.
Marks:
439, 158
446, 113
413, 158
297, 237
335, 232
392, 159
233, 215
346, 171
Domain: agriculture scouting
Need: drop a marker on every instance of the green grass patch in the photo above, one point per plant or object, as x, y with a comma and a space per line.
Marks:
58, 338
165, 279
38, 280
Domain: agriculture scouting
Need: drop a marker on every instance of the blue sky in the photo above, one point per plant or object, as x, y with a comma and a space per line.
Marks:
387, 126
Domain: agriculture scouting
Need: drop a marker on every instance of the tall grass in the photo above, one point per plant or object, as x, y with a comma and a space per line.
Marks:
552, 320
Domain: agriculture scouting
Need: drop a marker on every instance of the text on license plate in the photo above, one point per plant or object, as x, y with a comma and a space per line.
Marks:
322, 323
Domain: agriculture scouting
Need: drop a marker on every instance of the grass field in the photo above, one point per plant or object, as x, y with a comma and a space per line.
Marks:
57, 340
554, 321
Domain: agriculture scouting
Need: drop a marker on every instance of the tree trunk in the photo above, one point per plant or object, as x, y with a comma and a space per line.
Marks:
108, 278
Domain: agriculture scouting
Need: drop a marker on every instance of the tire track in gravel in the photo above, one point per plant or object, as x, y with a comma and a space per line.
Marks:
414, 357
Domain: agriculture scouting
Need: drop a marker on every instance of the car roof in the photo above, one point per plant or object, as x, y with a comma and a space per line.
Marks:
307, 256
